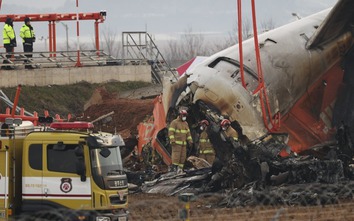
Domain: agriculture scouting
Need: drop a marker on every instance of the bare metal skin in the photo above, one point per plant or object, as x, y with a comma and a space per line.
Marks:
293, 57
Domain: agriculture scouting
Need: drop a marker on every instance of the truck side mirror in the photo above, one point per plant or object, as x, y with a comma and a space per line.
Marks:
81, 169
59, 146
92, 142
80, 163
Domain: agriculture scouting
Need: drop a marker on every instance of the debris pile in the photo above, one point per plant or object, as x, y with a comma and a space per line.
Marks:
246, 174
308, 194
322, 177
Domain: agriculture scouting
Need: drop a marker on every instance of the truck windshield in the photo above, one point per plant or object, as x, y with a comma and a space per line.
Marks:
104, 166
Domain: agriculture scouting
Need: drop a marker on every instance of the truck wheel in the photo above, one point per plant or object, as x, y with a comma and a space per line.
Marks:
48, 215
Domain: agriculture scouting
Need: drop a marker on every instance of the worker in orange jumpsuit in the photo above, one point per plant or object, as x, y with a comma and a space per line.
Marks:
179, 135
205, 148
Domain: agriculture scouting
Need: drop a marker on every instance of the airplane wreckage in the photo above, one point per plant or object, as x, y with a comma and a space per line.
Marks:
294, 115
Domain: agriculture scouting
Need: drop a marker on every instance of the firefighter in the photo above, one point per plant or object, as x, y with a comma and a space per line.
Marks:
229, 132
28, 37
229, 174
4, 130
179, 134
9, 40
205, 148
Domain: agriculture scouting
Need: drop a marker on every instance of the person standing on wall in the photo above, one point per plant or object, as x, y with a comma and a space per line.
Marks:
9, 41
28, 38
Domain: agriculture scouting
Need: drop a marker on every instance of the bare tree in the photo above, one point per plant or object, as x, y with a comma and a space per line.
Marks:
110, 44
189, 45
192, 44
267, 25
247, 31
83, 46
173, 53
232, 38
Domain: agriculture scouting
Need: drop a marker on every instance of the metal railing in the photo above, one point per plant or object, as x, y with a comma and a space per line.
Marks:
140, 45
60, 59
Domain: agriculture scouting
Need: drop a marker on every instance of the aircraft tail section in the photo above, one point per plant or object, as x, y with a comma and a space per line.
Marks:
338, 21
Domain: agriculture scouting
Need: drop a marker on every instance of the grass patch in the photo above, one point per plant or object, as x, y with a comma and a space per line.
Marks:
63, 99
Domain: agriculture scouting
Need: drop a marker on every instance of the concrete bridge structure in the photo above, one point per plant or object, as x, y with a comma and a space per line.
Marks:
72, 75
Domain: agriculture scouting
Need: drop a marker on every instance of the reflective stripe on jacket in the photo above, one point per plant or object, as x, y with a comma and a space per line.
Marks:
8, 34
206, 151
205, 147
26, 34
179, 132
232, 133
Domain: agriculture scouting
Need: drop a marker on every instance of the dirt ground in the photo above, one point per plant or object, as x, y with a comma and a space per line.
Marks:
128, 113
143, 206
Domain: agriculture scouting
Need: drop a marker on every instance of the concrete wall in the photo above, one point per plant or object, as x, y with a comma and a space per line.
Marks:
63, 76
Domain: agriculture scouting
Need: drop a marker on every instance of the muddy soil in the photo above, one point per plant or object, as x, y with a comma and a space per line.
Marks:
144, 206
128, 113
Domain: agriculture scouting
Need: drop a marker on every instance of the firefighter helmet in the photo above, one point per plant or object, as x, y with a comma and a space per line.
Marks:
225, 123
205, 122
183, 113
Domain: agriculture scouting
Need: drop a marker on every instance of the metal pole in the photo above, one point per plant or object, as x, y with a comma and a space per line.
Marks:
97, 38
67, 38
240, 45
78, 63
54, 39
50, 38
17, 96
45, 44
66, 34
6, 179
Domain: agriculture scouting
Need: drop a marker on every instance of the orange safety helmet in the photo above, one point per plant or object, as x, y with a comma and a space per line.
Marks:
204, 122
225, 122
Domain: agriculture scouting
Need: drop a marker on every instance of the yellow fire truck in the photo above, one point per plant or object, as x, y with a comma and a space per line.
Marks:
60, 174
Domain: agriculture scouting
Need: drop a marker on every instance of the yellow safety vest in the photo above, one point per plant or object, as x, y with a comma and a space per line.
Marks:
26, 33
8, 34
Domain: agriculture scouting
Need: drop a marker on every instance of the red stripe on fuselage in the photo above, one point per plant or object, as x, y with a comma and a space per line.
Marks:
303, 122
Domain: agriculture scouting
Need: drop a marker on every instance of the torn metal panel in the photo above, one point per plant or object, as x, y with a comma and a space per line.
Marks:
173, 183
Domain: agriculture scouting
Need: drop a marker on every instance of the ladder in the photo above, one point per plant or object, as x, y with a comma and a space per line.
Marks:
139, 46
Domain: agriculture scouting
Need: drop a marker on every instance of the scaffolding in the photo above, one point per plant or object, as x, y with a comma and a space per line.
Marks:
140, 46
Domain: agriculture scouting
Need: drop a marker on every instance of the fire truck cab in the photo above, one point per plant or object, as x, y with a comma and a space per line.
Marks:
55, 171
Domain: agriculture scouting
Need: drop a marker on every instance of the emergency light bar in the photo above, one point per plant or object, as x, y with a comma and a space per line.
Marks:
71, 125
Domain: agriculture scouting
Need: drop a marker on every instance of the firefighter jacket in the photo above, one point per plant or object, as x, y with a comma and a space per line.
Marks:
231, 133
8, 35
205, 147
27, 34
179, 132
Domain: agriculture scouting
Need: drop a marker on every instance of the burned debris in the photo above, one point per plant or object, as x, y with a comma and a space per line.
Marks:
254, 172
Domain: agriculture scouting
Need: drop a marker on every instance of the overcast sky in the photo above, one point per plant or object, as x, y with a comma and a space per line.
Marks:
162, 18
